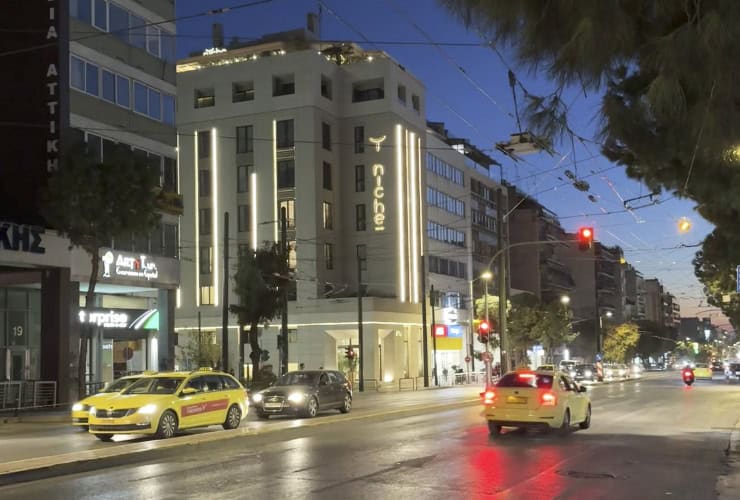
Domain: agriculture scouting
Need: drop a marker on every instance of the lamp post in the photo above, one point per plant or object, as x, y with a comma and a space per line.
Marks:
599, 346
486, 276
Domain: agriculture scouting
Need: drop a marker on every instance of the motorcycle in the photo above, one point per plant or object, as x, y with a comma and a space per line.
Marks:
688, 376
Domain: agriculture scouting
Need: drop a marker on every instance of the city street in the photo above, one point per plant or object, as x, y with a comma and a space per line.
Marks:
650, 438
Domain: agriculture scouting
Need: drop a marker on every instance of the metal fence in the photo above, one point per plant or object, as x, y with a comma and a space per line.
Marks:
28, 394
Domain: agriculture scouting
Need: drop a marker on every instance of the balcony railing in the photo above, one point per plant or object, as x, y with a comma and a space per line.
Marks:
170, 202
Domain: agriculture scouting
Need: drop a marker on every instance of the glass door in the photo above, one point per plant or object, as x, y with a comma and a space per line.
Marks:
18, 364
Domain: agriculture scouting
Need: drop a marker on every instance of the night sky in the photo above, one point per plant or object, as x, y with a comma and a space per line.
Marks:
467, 88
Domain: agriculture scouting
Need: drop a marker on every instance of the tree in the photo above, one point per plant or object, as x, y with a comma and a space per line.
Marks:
619, 341
93, 203
532, 322
715, 265
201, 350
653, 341
257, 283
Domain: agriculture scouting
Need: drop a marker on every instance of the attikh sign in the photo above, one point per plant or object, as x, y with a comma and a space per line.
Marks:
21, 238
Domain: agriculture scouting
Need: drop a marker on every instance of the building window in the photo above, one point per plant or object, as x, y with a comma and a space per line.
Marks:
204, 144
82, 10
416, 103
137, 33
204, 221
152, 40
283, 85
284, 131
204, 98
244, 139
243, 218
91, 79
204, 183
327, 176
101, 15
109, 86
359, 178
360, 222
326, 136
207, 295
155, 104
329, 256
326, 87
170, 241
206, 254
242, 179
123, 91
289, 206
402, 93
328, 212
141, 98
77, 73
362, 256
242, 91
359, 140
369, 90
168, 109
286, 174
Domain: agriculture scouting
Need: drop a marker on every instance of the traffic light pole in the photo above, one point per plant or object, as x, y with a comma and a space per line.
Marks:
434, 337
360, 339
284, 293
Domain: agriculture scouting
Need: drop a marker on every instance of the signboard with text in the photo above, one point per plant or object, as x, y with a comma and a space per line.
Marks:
138, 269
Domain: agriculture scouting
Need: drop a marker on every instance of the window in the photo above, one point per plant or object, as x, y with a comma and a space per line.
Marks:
283, 85
286, 174
327, 176
152, 40
284, 130
168, 46
359, 178
155, 104
119, 22
369, 90
416, 103
91, 79
170, 241
402, 93
101, 15
360, 222
326, 136
204, 144
170, 175
362, 255
243, 218
244, 139
137, 33
207, 295
359, 140
206, 254
242, 179
141, 98
242, 91
77, 73
109, 86
326, 87
289, 206
329, 256
204, 183
168, 109
204, 98
204, 221
123, 91
328, 215
82, 10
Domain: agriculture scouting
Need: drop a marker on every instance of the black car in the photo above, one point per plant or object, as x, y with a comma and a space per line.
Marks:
585, 372
734, 369
717, 366
304, 393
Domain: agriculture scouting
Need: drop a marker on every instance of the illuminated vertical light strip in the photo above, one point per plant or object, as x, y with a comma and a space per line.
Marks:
414, 220
214, 211
420, 171
253, 202
178, 292
275, 179
197, 223
406, 214
399, 216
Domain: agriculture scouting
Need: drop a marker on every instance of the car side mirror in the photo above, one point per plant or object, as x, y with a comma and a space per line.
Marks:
582, 388
188, 391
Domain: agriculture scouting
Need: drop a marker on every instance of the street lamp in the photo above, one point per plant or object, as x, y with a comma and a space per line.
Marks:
486, 276
565, 300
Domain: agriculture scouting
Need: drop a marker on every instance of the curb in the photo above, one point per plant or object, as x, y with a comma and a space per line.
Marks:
34, 469
728, 483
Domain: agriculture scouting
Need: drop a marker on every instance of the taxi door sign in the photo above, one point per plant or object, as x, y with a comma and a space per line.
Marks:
197, 408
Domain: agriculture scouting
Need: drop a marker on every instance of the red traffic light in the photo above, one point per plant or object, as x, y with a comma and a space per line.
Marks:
585, 237
484, 328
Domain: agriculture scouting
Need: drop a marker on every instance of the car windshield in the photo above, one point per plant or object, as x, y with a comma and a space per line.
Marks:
298, 378
119, 385
702, 365
533, 380
583, 367
154, 385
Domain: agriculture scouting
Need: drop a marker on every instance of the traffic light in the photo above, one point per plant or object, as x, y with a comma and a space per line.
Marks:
484, 330
349, 353
585, 238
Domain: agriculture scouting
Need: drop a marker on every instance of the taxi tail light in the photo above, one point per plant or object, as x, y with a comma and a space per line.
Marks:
548, 399
488, 397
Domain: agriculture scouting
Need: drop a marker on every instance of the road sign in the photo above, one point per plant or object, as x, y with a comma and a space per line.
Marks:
737, 279
467, 359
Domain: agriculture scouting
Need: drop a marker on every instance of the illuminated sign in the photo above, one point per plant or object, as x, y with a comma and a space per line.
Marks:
449, 315
455, 331
378, 191
105, 319
213, 50
119, 264
128, 319
52, 84
439, 330
21, 238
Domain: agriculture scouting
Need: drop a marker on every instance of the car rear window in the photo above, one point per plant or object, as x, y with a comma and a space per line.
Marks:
533, 380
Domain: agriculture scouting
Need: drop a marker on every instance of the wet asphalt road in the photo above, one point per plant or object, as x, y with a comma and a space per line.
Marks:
649, 439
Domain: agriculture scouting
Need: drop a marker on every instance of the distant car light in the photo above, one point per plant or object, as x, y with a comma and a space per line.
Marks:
587, 373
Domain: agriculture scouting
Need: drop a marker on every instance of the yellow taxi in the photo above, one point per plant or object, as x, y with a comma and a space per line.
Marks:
540, 398
162, 404
81, 409
702, 370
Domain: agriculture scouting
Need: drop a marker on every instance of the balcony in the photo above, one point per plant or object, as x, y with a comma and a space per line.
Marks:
169, 202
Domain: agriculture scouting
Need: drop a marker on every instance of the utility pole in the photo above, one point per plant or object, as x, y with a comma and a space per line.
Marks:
200, 341
284, 294
225, 299
501, 280
360, 340
424, 331
432, 299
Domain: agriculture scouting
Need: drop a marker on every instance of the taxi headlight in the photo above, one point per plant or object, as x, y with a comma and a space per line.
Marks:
148, 409
257, 398
77, 407
296, 397
92, 410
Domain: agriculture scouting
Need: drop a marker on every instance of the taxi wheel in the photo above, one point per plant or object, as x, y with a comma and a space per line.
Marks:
494, 429
104, 437
167, 425
312, 408
565, 428
233, 418
347, 405
586, 423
